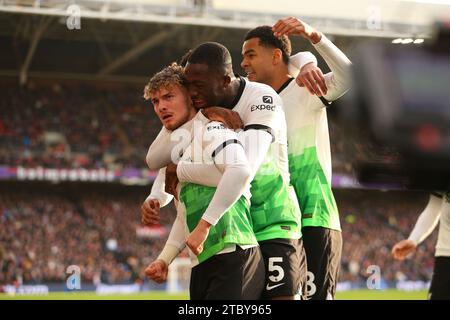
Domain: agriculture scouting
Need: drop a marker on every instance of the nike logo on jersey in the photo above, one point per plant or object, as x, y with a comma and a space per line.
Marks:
269, 287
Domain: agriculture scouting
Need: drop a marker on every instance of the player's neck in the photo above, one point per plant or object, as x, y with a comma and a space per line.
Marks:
191, 115
279, 77
232, 92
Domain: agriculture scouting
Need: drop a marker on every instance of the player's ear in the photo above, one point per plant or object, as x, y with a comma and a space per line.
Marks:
226, 81
277, 56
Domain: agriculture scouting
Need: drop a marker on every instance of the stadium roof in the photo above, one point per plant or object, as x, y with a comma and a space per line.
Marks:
383, 18
42, 46
130, 40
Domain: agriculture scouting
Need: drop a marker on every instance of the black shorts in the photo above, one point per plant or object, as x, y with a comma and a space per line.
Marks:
230, 276
323, 248
303, 270
440, 282
283, 267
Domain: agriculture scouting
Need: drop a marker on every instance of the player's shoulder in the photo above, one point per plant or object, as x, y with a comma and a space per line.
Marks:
256, 87
438, 194
216, 128
215, 125
216, 134
292, 90
442, 194
259, 94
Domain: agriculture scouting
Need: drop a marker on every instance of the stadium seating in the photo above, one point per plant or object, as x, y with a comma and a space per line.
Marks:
42, 231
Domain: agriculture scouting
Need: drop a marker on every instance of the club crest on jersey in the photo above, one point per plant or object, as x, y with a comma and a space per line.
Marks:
267, 99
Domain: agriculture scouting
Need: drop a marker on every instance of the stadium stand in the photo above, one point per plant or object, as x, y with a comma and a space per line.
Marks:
74, 126
44, 229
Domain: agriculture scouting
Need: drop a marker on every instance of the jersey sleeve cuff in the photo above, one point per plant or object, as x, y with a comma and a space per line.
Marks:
323, 43
210, 218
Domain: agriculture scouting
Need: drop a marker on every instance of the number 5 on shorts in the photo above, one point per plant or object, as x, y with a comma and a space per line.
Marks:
275, 268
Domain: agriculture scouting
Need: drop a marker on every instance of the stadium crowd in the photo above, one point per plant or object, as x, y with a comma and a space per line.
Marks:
70, 125
42, 232
74, 126
372, 221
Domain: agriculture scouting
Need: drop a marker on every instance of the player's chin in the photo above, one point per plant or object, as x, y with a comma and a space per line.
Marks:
252, 76
171, 125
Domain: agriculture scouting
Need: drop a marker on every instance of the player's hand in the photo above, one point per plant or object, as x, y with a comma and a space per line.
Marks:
171, 180
157, 271
294, 26
229, 118
198, 236
403, 248
150, 212
311, 77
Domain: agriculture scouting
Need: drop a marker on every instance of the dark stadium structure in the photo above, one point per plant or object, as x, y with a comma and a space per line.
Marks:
109, 50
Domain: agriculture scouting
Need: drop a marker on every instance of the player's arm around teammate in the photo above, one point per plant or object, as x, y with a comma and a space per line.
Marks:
337, 82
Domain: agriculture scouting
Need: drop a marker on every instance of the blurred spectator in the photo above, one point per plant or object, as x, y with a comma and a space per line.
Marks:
75, 126
372, 221
42, 234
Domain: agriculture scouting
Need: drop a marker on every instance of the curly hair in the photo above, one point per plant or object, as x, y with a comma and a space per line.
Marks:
171, 75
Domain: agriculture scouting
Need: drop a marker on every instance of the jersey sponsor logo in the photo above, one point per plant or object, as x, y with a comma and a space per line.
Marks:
262, 107
269, 287
267, 99
215, 127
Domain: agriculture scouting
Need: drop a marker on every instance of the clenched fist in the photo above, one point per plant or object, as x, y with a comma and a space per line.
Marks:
157, 271
403, 248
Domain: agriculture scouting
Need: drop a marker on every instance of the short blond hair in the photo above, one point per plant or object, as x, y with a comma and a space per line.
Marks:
171, 75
